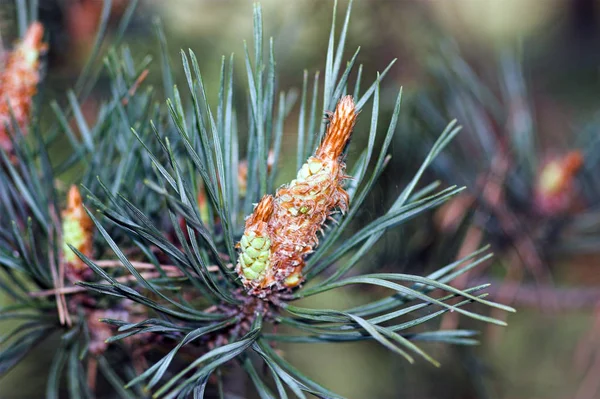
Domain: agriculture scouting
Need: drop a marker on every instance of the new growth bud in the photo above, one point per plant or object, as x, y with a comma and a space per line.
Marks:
18, 82
283, 229
77, 230
555, 187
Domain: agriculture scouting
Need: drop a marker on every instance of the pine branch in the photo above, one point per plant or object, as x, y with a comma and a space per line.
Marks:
169, 210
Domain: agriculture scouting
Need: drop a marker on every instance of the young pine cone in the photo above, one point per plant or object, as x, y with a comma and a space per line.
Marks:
18, 82
282, 230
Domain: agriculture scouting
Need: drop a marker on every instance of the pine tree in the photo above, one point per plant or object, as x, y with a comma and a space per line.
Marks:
158, 269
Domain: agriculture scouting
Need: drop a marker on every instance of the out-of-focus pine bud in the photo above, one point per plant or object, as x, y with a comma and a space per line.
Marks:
243, 173
285, 227
555, 183
77, 231
450, 215
243, 178
203, 204
100, 332
18, 82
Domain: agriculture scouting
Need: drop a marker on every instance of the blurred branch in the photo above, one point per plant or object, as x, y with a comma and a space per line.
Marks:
535, 295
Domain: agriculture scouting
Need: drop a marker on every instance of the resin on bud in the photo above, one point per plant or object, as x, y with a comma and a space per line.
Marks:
77, 231
301, 208
18, 82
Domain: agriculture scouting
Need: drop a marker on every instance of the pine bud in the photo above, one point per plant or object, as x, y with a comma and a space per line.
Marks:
554, 191
77, 230
286, 226
243, 172
202, 204
18, 82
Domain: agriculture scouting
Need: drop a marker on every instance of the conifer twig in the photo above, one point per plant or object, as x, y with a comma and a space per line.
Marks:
77, 289
149, 266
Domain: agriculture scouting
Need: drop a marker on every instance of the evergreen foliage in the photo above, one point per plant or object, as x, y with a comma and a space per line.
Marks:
162, 188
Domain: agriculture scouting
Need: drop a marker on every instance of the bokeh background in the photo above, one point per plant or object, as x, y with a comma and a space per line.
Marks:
545, 352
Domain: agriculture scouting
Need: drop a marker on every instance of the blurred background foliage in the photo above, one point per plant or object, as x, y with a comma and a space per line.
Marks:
546, 352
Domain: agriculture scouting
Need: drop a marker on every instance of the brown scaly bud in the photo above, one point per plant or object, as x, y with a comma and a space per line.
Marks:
300, 209
18, 82
77, 230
